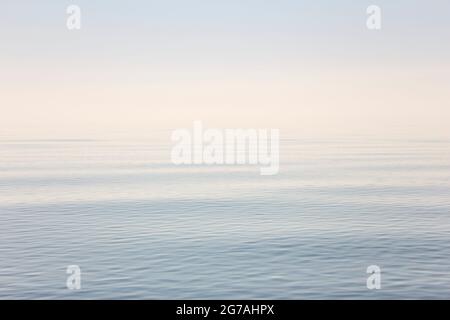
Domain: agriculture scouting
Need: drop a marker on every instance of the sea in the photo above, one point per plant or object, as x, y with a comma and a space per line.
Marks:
140, 227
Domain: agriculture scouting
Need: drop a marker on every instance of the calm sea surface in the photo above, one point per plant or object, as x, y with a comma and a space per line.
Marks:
140, 227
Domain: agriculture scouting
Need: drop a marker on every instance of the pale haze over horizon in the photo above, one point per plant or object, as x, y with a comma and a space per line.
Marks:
309, 69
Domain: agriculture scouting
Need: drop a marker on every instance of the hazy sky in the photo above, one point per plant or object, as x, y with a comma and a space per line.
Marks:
307, 67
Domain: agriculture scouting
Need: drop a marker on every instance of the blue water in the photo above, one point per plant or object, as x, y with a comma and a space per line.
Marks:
140, 227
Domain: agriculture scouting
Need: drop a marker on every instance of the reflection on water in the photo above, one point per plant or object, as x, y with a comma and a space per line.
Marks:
140, 227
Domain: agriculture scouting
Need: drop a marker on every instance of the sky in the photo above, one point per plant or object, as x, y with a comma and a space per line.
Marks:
308, 68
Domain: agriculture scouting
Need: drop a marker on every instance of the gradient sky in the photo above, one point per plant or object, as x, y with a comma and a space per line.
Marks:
309, 68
